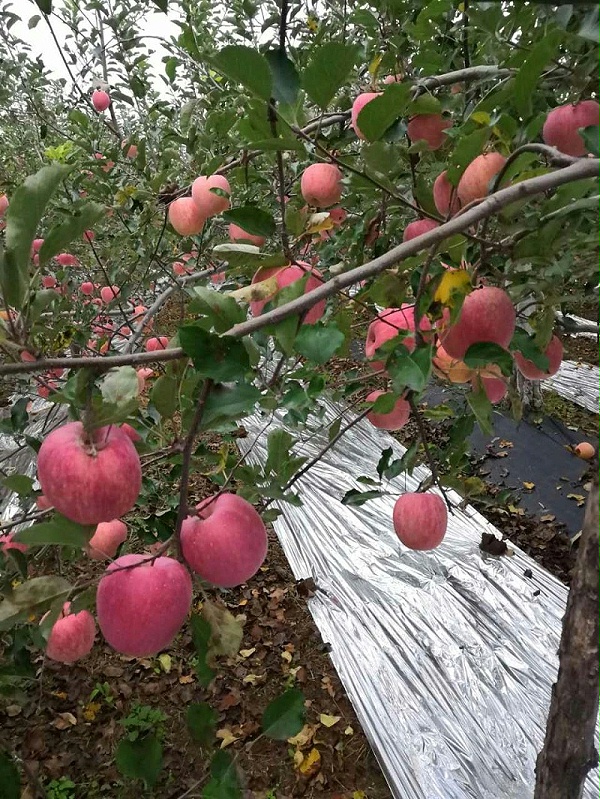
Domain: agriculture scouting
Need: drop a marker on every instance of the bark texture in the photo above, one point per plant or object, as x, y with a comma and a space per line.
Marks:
569, 752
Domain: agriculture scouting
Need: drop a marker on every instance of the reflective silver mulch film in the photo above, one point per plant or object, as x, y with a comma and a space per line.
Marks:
577, 382
447, 656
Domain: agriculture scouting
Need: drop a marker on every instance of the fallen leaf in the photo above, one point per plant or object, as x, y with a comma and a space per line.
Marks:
359, 795
254, 679
304, 737
547, 517
229, 700
90, 711
166, 662
245, 653
528, 486
349, 730
505, 444
287, 656
186, 679
13, 710
515, 510
59, 694
226, 737
311, 764
298, 758
328, 721
63, 721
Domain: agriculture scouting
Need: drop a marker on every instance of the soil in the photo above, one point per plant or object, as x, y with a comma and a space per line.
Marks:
580, 348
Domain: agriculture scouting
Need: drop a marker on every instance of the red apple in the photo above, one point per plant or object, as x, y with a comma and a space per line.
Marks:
4, 203
418, 227
388, 325
207, 201
487, 315
141, 607
443, 190
420, 520
36, 245
358, 106
395, 419
429, 128
285, 275
154, 344
100, 100
87, 288
109, 293
475, 181
89, 481
320, 185
554, 353
89, 235
143, 375
72, 636
107, 538
561, 128
185, 217
66, 259
227, 544
42, 503
236, 233
7, 543
131, 432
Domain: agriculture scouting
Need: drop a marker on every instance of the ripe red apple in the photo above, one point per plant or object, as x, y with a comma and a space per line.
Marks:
338, 215
554, 353
429, 128
87, 288
388, 325
185, 217
358, 106
398, 78
36, 245
285, 275
561, 128
42, 502
66, 259
443, 190
475, 181
89, 235
227, 544
418, 227
420, 520
100, 100
320, 185
180, 269
143, 375
107, 538
154, 344
48, 281
72, 636
236, 233
207, 202
487, 314
4, 203
89, 481
109, 293
141, 608
395, 419
132, 151
585, 451
6, 543
495, 388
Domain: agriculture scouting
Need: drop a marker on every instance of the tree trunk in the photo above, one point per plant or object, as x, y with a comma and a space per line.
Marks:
568, 752
530, 394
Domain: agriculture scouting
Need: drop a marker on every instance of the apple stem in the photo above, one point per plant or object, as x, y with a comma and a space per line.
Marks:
423, 436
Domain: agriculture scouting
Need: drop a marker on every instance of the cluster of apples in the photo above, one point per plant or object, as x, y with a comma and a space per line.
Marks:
94, 479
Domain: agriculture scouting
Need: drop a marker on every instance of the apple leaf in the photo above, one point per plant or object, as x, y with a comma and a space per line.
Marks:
381, 112
525, 344
590, 136
221, 310
319, 342
252, 220
468, 148
226, 403
201, 719
486, 352
328, 69
61, 235
224, 782
284, 716
19, 483
201, 634
164, 396
286, 82
222, 358
59, 530
245, 66
527, 78
482, 410
140, 759
356, 497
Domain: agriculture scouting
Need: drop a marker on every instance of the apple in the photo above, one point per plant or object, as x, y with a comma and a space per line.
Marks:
236, 233
338, 215
495, 388
131, 433
585, 451
418, 227
66, 259
109, 293
554, 353
142, 603
443, 190
7, 543
207, 201
226, 543
132, 151
100, 100
475, 181
89, 479
395, 419
88, 235
36, 245
388, 325
4, 203
107, 538
159, 343
42, 502
87, 288
143, 375
320, 185
487, 315
285, 275
429, 128
185, 217
420, 520
561, 128
180, 269
398, 78
358, 106
72, 635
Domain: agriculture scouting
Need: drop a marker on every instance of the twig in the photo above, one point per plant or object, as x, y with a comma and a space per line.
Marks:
424, 440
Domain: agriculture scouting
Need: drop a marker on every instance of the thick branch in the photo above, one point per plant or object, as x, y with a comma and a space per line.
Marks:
568, 753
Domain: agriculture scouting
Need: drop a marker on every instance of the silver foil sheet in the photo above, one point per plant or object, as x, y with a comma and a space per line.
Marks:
448, 656
577, 382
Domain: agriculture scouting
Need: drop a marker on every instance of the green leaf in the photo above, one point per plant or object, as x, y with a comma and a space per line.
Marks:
32, 596
485, 352
279, 447
482, 410
286, 82
26, 209
252, 220
33, 21
590, 137
283, 142
40, 301
328, 69
19, 418
171, 65
319, 342
10, 781
356, 497
164, 396
201, 634
465, 151
44, 5
222, 358
410, 370
425, 104
381, 112
201, 720
225, 403
248, 255
19, 483
222, 311
526, 79
162, 4
120, 387
58, 530
284, 716
140, 759
224, 782
525, 344
246, 66
61, 235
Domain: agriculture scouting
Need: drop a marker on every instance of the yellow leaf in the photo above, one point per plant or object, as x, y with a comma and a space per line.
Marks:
313, 24
453, 281
578, 497
349, 730
59, 694
481, 117
304, 737
359, 795
90, 711
311, 764
298, 758
245, 653
253, 679
528, 486
318, 222
328, 721
287, 656
186, 679
517, 511
226, 737
375, 63
256, 291
165, 662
